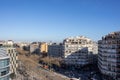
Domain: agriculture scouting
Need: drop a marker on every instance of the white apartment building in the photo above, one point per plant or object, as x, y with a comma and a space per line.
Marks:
34, 47
109, 55
23, 45
9, 48
11, 51
4, 65
8, 43
79, 51
55, 50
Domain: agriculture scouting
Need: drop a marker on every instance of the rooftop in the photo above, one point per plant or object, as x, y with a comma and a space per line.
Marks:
79, 37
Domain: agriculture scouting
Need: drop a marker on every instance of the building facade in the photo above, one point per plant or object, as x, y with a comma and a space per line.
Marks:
8, 43
34, 48
4, 65
9, 48
39, 48
55, 50
79, 51
43, 47
11, 51
109, 56
2, 42
24, 46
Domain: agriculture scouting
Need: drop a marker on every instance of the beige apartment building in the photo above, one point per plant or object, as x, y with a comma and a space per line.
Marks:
109, 56
11, 51
79, 51
43, 47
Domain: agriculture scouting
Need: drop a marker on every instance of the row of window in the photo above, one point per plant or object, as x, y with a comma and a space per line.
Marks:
5, 78
11, 50
4, 62
4, 71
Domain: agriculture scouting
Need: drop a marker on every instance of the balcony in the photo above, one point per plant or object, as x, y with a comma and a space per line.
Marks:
5, 75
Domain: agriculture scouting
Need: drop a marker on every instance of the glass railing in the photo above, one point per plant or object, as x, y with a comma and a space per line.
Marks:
4, 71
7, 46
4, 63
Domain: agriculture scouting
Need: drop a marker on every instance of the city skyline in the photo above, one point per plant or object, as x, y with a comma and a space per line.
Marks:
55, 20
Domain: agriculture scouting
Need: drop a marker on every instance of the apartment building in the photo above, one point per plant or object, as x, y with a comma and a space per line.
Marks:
79, 51
2, 42
55, 50
8, 43
9, 48
4, 65
43, 47
109, 56
34, 48
11, 51
24, 46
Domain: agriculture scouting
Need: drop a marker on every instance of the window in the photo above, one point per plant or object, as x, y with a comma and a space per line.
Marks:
79, 42
66, 45
11, 50
8, 51
3, 73
4, 62
66, 51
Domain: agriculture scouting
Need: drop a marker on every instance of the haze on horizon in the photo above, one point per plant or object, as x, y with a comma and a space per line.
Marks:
55, 20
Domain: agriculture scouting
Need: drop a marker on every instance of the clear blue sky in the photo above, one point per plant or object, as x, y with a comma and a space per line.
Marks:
39, 20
